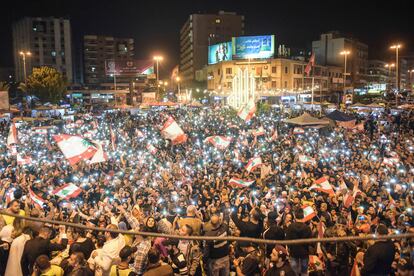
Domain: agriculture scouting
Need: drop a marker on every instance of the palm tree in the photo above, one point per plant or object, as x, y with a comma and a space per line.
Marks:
4, 86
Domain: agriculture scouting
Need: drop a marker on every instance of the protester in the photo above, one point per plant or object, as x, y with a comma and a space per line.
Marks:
155, 266
279, 263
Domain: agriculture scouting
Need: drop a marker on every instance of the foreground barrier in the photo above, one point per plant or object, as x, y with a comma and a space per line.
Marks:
209, 238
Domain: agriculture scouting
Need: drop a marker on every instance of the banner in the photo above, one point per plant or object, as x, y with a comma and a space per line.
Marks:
245, 47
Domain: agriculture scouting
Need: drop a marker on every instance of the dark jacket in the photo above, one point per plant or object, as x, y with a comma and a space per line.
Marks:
298, 230
217, 249
274, 232
36, 247
378, 259
247, 229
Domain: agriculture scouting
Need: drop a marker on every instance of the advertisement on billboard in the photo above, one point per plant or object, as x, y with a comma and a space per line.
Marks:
128, 67
245, 47
219, 52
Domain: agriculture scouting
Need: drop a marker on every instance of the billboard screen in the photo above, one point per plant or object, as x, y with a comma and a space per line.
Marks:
262, 46
128, 67
219, 52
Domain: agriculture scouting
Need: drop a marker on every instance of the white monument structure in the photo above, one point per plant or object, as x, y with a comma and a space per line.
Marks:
243, 89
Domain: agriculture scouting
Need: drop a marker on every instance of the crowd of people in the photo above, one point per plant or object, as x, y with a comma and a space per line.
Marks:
197, 188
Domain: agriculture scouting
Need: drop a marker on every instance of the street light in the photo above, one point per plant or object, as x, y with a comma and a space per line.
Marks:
397, 82
157, 60
345, 53
24, 54
177, 79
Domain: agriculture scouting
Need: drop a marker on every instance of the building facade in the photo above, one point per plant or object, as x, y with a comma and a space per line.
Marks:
200, 31
276, 77
99, 49
327, 52
49, 42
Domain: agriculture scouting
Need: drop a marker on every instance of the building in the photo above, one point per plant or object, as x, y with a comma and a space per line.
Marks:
48, 39
409, 58
327, 52
277, 77
99, 49
200, 31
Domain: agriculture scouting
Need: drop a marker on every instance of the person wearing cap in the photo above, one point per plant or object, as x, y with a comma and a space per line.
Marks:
122, 268
176, 258
279, 263
379, 256
251, 263
216, 253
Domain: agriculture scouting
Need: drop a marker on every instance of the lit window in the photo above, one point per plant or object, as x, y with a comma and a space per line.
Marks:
93, 69
53, 53
218, 21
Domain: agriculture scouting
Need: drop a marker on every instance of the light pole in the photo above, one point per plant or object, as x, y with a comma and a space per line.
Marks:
157, 60
397, 79
345, 53
389, 66
177, 79
24, 54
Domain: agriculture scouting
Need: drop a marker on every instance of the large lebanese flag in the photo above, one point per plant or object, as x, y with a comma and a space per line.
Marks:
247, 111
308, 213
67, 191
240, 182
220, 142
100, 155
253, 163
323, 185
310, 64
171, 130
12, 138
75, 148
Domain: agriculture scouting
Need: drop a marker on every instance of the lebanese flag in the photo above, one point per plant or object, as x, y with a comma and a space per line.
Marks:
258, 132
220, 142
350, 196
298, 130
240, 182
113, 138
310, 64
75, 148
12, 138
247, 111
306, 159
390, 161
152, 149
253, 163
13, 149
67, 191
355, 269
323, 185
36, 199
100, 155
308, 213
171, 130
26, 160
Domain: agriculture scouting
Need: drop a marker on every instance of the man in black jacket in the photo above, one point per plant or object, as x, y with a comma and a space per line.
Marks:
299, 253
273, 231
379, 256
40, 245
216, 253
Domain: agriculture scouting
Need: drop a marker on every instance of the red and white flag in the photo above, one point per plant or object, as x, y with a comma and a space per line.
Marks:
298, 130
171, 130
349, 197
323, 185
36, 199
247, 111
152, 149
13, 150
259, 132
24, 160
220, 142
113, 138
253, 163
75, 148
12, 138
67, 191
308, 213
310, 64
240, 182
391, 161
355, 269
306, 159
100, 155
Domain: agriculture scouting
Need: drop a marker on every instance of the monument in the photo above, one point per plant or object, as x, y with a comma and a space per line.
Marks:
243, 89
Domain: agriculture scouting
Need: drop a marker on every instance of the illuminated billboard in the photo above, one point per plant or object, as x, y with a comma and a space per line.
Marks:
245, 47
129, 67
219, 52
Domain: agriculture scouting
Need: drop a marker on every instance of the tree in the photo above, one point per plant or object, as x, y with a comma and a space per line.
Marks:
4, 86
47, 84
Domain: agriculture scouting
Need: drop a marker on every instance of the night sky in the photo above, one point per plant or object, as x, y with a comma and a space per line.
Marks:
155, 25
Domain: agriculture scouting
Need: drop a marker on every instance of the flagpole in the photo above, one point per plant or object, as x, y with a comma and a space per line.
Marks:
313, 83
